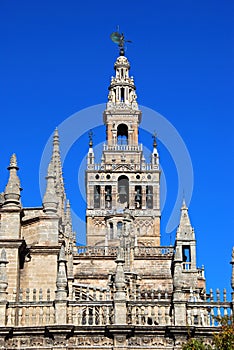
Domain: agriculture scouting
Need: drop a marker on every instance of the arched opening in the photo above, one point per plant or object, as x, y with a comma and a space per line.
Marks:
111, 230
119, 229
138, 197
122, 134
97, 196
122, 95
186, 256
108, 197
149, 197
123, 190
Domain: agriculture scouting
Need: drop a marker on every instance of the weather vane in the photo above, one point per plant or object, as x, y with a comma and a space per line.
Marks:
119, 39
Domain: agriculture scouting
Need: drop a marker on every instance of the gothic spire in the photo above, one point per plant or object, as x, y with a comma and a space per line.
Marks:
50, 200
57, 165
12, 190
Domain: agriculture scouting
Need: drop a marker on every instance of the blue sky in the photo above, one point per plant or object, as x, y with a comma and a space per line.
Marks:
57, 59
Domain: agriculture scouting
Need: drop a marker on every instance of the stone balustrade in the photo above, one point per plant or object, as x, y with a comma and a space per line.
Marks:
133, 148
89, 313
95, 306
149, 313
30, 313
207, 312
112, 251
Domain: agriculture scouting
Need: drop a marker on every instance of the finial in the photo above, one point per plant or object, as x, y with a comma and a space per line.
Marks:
184, 206
13, 162
90, 138
154, 139
119, 39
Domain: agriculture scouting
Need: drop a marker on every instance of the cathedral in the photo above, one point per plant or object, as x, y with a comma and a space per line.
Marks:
123, 290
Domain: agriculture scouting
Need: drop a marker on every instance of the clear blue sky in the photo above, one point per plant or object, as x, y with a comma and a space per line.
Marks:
57, 58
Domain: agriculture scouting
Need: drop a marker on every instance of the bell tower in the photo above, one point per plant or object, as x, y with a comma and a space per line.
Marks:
123, 183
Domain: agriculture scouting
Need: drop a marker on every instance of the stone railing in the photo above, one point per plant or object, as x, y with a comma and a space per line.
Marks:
30, 313
149, 307
138, 251
206, 312
147, 313
95, 306
90, 313
153, 251
90, 293
122, 147
97, 251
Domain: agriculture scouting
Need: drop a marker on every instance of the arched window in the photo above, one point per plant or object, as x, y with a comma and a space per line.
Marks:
123, 189
149, 197
108, 197
111, 230
119, 229
138, 197
122, 134
186, 256
96, 196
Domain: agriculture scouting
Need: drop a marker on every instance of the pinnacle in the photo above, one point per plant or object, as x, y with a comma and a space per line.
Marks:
50, 201
68, 212
12, 190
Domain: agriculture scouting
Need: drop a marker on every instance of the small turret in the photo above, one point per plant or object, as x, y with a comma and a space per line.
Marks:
50, 200
185, 240
12, 190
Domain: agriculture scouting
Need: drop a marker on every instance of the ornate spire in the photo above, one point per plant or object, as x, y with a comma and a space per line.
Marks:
12, 190
61, 282
3, 275
50, 200
122, 91
59, 183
